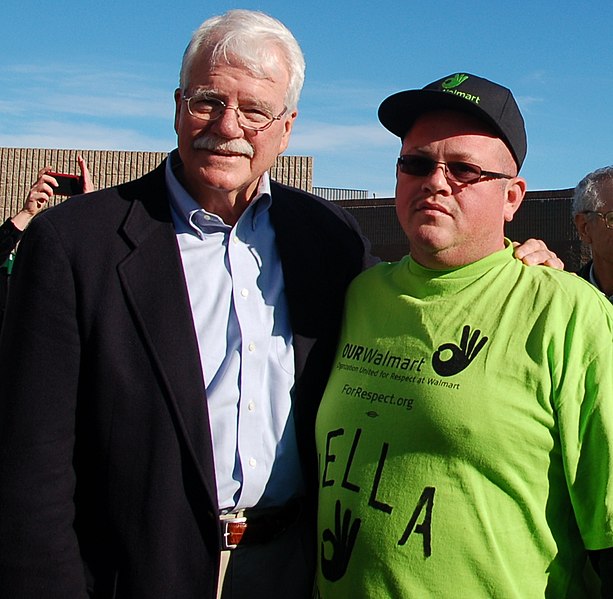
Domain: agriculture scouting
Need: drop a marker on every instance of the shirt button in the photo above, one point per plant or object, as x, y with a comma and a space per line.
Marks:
245, 292
207, 217
251, 406
235, 239
252, 462
251, 346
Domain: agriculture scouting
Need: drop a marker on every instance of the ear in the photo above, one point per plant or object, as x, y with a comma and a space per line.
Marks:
583, 229
178, 106
514, 196
288, 124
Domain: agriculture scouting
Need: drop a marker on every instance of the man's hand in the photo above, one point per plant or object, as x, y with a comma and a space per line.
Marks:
85, 176
42, 191
534, 251
39, 195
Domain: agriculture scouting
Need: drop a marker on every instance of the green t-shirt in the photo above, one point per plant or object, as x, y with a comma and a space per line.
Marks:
465, 437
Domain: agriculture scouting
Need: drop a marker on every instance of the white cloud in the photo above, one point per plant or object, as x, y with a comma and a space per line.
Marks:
79, 90
58, 134
537, 76
66, 106
8, 107
319, 137
341, 94
116, 105
525, 101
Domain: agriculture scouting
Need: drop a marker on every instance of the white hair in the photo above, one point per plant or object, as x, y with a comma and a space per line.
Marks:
587, 193
248, 39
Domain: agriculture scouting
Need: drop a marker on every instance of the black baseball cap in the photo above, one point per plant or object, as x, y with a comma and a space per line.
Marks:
486, 100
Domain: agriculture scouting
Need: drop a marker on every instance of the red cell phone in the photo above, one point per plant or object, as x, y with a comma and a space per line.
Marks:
68, 185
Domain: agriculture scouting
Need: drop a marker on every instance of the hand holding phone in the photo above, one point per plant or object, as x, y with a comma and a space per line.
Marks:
68, 185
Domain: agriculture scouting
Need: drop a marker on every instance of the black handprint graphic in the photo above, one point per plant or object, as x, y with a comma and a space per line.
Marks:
342, 540
461, 356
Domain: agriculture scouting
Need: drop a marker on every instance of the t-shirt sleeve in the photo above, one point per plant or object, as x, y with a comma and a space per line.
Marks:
585, 415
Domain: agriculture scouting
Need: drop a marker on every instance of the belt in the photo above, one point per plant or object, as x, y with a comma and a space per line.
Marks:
257, 526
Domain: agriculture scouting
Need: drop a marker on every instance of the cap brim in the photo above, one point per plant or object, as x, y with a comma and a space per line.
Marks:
398, 112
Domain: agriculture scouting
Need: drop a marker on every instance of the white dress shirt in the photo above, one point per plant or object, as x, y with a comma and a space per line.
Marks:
237, 295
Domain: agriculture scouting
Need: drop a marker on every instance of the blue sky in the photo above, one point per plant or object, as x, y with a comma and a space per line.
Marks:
101, 75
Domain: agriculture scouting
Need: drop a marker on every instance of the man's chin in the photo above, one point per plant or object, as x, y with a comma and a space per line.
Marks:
432, 238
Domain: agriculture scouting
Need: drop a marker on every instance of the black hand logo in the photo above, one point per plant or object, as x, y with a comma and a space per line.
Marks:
342, 540
461, 356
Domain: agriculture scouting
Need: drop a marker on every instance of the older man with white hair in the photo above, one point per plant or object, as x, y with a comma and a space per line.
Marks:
593, 213
182, 326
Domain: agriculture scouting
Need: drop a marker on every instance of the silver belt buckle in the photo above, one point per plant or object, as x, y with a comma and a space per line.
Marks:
225, 533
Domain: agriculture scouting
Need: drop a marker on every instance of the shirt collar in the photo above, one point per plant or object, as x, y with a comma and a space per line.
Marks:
189, 217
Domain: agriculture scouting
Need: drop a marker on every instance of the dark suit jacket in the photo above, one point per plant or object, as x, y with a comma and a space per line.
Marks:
9, 237
106, 466
584, 271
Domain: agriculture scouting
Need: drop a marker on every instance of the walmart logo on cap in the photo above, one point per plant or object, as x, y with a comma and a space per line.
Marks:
454, 81
449, 84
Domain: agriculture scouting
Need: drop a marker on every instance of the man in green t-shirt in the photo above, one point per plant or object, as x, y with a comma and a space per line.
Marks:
465, 437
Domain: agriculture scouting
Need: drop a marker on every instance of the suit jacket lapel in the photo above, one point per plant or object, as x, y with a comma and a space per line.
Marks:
152, 276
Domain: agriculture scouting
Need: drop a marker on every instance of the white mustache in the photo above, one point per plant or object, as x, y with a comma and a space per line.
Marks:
231, 146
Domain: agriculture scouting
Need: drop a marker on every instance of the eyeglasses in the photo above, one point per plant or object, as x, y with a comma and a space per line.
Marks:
208, 108
460, 172
607, 217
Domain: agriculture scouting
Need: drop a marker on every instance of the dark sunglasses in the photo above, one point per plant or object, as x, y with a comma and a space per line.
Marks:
455, 170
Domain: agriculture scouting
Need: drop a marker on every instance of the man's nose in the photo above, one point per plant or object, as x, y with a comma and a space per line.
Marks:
227, 125
437, 181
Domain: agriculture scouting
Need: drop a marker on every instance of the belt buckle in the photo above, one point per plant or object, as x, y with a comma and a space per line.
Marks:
226, 533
